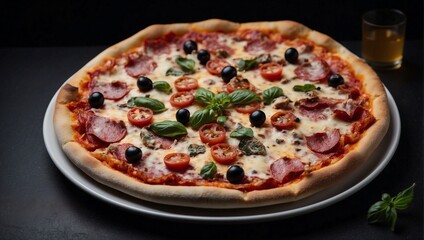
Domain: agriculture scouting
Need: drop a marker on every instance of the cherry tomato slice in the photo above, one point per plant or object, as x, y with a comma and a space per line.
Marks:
248, 108
238, 84
212, 133
224, 153
177, 162
283, 120
182, 99
140, 116
271, 71
215, 66
186, 84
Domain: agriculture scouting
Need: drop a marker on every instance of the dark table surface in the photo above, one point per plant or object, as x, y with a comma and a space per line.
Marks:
38, 202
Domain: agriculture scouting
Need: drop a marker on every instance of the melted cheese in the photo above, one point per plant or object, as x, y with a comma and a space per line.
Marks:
277, 143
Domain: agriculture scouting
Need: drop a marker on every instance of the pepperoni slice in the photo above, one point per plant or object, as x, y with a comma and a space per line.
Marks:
253, 35
156, 47
119, 151
91, 142
350, 112
286, 169
314, 108
259, 45
315, 71
140, 66
107, 130
113, 91
324, 142
217, 47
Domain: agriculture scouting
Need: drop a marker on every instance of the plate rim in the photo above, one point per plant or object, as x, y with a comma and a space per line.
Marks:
96, 190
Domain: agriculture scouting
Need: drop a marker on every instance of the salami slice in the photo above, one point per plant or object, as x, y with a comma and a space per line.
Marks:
140, 66
157, 47
316, 71
259, 45
286, 169
314, 108
107, 130
113, 91
324, 142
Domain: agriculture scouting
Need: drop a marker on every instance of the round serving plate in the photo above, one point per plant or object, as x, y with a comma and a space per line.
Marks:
343, 189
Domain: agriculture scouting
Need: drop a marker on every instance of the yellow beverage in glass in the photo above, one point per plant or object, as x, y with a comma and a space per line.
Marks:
383, 36
382, 46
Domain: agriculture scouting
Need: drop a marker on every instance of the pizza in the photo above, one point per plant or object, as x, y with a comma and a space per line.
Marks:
217, 114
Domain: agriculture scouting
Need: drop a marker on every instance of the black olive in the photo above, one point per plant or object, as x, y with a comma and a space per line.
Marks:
183, 116
335, 80
133, 154
228, 73
291, 55
257, 118
144, 84
235, 174
203, 56
189, 46
96, 100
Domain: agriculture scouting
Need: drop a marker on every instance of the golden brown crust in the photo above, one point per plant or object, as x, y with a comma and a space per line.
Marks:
210, 197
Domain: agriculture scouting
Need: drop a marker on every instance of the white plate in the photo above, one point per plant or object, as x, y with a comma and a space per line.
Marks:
346, 187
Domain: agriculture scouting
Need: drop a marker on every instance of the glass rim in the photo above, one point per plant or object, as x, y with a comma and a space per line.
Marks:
403, 16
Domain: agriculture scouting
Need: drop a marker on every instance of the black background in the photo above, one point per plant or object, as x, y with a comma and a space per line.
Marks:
82, 23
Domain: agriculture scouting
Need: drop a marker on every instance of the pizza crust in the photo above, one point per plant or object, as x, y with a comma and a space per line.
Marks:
211, 197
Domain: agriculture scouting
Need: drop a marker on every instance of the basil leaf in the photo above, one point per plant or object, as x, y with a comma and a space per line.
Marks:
272, 93
221, 120
201, 117
404, 198
204, 96
168, 129
174, 72
162, 86
305, 88
242, 132
195, 149
155, 105
252, 147
243, 97
187, 65
377, 212
247, 64
208, 170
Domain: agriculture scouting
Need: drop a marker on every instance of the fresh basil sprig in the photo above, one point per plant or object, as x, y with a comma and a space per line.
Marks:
386, 210
155, 105
305, 88
162, 86
168, 129
242, 132
272, 93
243, 96
208, 171
217, 103
201, 117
